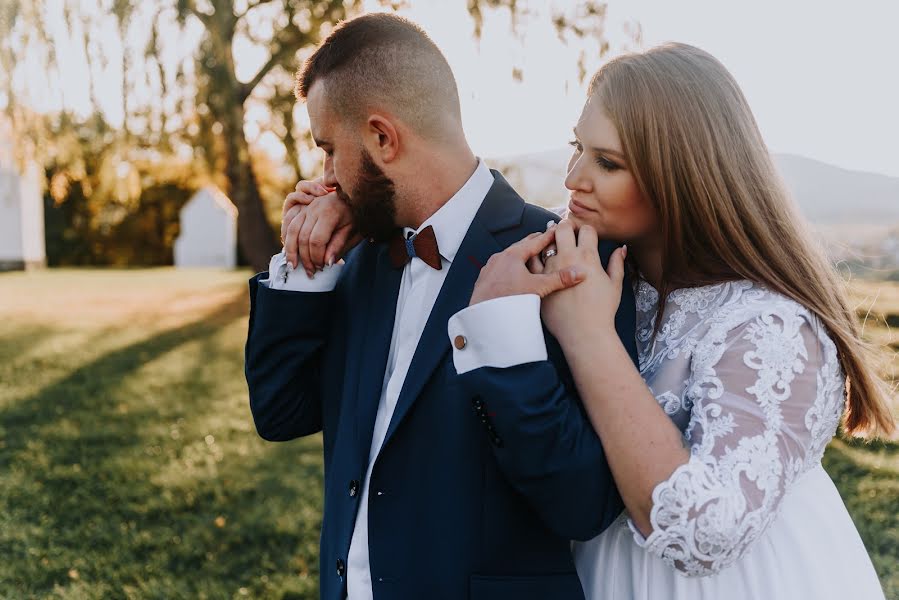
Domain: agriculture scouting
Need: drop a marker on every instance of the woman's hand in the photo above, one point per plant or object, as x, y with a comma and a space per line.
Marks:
316, 226
507, 274
588, 309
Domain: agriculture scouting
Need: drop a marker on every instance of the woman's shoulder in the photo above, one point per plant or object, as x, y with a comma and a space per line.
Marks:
738, 302
749, 309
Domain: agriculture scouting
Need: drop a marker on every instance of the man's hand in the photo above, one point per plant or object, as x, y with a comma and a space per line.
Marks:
316, 226
507, 274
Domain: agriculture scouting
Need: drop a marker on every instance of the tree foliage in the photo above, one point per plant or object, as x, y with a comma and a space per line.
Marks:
180, 115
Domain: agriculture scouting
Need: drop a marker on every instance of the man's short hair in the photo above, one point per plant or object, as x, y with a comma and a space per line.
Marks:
382, 60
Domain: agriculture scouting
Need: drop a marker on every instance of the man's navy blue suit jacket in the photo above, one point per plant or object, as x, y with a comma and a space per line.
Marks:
483, 479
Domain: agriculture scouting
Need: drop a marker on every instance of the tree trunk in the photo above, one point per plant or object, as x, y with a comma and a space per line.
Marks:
255, 236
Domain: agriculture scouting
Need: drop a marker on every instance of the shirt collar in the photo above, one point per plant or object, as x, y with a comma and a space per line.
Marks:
452, 220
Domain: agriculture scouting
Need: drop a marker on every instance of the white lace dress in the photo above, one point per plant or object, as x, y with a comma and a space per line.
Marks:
751, 378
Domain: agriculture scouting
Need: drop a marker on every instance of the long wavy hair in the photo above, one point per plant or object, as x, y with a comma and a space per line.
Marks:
697, 154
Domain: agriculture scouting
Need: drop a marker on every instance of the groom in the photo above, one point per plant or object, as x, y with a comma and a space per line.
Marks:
431, 490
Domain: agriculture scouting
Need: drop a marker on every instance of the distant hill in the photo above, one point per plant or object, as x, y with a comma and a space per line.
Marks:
856, 213
828, 195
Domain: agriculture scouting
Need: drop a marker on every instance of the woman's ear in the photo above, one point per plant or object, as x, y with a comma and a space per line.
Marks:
384, 137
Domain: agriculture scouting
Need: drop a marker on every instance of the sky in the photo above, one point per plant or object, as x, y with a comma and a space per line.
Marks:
822, 77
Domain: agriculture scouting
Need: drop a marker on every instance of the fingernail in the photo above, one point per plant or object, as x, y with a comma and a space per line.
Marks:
624, 251
330, 261
550, 224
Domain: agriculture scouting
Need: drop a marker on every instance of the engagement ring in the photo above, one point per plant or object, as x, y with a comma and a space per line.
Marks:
551, 251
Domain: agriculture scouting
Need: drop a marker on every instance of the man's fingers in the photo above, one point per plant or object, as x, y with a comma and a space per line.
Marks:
560, 280
533, 244
535, 265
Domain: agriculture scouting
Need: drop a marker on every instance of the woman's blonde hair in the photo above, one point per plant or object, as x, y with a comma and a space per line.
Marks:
697, 154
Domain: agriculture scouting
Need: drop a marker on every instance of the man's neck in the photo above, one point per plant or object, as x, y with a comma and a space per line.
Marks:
441, 177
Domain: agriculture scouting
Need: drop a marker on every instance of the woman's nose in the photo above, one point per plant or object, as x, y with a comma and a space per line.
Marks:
574, 181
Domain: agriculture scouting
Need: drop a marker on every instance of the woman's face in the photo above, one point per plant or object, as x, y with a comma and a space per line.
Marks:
604, 192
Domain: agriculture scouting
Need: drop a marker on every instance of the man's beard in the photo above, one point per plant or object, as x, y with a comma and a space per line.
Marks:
373, 204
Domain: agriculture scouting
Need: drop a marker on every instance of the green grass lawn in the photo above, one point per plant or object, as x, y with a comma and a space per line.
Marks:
129, 466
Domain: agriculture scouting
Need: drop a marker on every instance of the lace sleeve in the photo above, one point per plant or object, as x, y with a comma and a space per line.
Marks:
767, 393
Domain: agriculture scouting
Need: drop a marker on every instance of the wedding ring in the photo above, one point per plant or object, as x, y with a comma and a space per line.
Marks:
549, 252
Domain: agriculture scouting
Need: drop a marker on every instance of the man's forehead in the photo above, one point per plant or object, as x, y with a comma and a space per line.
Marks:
321, 118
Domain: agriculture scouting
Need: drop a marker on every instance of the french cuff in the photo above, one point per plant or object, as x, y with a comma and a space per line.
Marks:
500, 333
282, 276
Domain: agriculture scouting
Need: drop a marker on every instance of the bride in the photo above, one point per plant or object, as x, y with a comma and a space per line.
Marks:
749, 351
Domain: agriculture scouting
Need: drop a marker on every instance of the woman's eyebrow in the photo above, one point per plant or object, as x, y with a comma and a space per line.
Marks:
607, 151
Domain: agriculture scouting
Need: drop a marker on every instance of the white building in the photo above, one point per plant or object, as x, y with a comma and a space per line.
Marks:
21, 217
208, 231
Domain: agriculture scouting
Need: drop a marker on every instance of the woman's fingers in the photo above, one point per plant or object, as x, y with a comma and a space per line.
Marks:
535, 265
296, 198
587, 238
314, 187
319, 238
616, 266
565, 240
303, 242
290, 237
338, 244
286, 219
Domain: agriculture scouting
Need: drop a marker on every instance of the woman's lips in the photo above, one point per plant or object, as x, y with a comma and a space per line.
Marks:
576, 207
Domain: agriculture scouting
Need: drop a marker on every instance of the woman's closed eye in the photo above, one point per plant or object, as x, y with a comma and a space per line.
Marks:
605, 164
576, 145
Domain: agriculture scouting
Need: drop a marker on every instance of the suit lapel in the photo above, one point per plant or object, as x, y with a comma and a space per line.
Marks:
375, 347
501, 209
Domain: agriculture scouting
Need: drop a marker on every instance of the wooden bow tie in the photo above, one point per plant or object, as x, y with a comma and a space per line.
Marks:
423, 245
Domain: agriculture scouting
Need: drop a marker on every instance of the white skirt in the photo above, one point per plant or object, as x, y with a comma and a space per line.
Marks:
812, 550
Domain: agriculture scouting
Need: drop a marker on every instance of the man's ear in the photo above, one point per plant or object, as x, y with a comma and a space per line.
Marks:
384, 137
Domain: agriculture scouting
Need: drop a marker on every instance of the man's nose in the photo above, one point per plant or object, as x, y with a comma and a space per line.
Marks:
329, 177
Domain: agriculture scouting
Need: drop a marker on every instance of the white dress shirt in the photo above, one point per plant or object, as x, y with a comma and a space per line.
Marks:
419, 288
503, 332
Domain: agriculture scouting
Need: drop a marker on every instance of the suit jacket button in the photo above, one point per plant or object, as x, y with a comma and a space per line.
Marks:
460, 342
354, 488
341, 568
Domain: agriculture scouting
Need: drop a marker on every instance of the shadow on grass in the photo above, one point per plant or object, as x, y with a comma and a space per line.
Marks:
872, 497
79, 509
21, 340
87, 388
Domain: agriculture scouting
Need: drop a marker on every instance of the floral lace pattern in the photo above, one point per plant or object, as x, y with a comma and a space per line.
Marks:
753, 381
